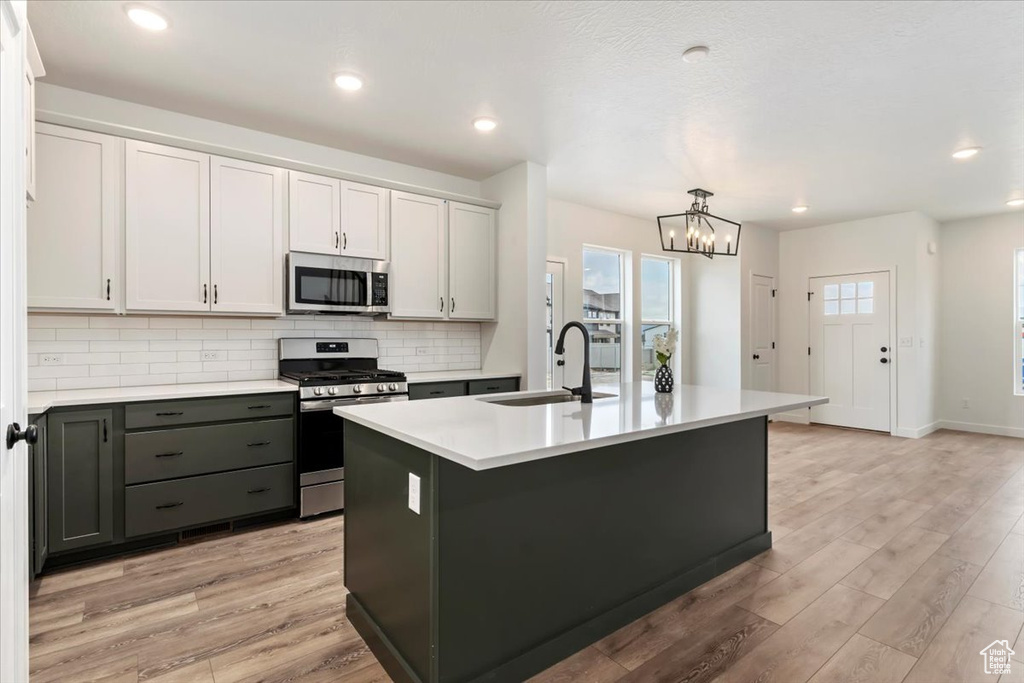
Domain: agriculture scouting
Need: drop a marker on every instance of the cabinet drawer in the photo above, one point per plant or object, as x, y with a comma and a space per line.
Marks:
493, 386
168, 505
199, 410
436, 390
186, 451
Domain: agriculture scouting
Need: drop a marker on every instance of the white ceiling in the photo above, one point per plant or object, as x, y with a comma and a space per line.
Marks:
850, 107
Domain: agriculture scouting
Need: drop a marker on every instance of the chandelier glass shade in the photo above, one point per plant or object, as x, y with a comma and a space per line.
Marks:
697, 231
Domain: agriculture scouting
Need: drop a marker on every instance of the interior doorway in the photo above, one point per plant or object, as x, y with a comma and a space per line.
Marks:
762, 332
554, 289
850, 350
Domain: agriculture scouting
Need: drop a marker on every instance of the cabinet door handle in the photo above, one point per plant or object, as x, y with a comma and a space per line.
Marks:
104, 430
167, 506
344, 244
169, 455
204, 292
335, 240
108, 289
262, 490
260, 407
215, 294
452, 309
442, 305
258, 443
170, 413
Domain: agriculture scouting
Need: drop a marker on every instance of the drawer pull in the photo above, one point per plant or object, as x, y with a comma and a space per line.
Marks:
437, 393
167, 506
169, 455
260, 407
492, 388
258, 443
262, 490
170, 413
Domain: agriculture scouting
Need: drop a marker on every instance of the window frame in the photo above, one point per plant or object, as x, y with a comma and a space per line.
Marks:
672, 321
1018, 321
625, 309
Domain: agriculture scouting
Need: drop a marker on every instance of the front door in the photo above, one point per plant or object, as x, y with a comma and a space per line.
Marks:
14, 548
762, 333
850, 351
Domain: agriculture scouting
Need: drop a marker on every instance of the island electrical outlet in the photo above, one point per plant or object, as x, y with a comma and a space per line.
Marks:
414, 493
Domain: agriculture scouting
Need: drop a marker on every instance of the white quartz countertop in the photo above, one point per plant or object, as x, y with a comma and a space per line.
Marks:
41, 401
479, 434
456, 376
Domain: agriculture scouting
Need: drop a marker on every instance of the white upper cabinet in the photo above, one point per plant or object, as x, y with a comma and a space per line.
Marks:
314, 213
246, 237
167, 228
74, 222
471, 277
364, 223
418, 257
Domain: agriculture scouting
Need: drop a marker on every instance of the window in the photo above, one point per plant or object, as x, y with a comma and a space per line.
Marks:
849, 298
1018, 323
603, 313
655, 309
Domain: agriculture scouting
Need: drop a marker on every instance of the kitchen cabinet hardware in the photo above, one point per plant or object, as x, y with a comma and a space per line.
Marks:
108, 289
215, 294
169, 413
258, 443
453, 305
169, 455
436, 392
204, 292
344, 237
105, 439
260, 490
262, 406
335, 240
168, 506
441, 307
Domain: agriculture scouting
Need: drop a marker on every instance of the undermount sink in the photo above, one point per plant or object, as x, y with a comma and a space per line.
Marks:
541, 400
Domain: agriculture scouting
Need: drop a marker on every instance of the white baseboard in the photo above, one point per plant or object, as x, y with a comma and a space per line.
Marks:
802, 417
995, 430
908, 433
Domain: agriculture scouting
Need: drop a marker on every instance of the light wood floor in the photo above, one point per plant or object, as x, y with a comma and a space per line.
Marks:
893, 560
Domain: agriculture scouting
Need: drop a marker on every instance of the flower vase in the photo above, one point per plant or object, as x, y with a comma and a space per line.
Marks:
663, 380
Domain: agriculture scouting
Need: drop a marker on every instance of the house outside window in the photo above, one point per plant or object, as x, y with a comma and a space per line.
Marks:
603, 279
656, 306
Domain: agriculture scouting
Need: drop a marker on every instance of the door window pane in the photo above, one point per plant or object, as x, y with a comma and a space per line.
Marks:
831, 308
831, 292
865, 306
656, 289
849, 290
848, 306
866, 289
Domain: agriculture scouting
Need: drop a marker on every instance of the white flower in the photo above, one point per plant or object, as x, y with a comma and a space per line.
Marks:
665, 344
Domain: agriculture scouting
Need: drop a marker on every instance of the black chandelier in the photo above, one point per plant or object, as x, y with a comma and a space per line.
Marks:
694, 232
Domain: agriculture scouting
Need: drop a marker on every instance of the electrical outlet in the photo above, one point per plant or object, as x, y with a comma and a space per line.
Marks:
211, 355
966, 404
414, 493
51, 359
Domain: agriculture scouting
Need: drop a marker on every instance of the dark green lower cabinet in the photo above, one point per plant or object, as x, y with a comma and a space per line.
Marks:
80, 479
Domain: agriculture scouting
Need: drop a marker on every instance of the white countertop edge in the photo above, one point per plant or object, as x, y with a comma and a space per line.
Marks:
552, 451
456, 376
41, 401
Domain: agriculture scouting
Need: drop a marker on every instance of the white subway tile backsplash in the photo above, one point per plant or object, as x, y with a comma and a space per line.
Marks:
110, 351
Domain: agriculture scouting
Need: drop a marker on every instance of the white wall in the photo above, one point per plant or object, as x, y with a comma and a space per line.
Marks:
570, 227
516, 341
715, 327
111, 351
976, 357
74, 105
759, 255
892, 243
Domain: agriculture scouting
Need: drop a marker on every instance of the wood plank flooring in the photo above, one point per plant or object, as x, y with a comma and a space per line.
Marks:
894, 560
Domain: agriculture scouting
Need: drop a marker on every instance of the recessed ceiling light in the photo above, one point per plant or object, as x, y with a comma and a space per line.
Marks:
485, 124
966, 152
1015, 202
697, 53
146, 17
800, 209
349, 82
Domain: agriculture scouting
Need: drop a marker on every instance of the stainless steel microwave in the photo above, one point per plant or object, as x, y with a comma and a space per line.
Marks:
318, 283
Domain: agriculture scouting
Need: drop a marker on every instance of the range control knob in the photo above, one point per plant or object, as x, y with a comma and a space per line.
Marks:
357, 389
332, 390
318, 391
380, 387
393, 387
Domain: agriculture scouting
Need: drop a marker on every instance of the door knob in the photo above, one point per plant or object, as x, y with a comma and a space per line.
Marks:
884, 360
560, 362
757, 357
15, 434
884, 349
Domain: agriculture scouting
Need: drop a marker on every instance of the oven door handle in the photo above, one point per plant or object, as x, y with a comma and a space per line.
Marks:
328, 404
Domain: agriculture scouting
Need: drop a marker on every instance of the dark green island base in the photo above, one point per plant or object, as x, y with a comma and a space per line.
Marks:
509, 570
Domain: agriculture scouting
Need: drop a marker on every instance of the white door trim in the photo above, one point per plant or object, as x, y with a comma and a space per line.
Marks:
893, 333
557, 316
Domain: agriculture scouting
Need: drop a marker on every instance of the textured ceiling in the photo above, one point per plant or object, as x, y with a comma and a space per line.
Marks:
850, 107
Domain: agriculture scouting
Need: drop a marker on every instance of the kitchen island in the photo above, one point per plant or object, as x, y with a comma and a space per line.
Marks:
487, 538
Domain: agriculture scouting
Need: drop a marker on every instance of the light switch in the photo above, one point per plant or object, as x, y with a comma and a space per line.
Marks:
414, 493
907, 342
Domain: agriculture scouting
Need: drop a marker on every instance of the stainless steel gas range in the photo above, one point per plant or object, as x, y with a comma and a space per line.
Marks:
331, 372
